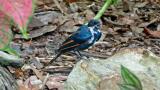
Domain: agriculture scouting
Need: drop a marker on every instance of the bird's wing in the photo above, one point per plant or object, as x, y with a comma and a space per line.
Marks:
76, 39
82, 35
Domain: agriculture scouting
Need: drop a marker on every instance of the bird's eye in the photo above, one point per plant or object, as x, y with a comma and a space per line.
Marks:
97, 26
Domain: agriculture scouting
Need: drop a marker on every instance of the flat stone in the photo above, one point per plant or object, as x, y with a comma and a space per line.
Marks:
104, 74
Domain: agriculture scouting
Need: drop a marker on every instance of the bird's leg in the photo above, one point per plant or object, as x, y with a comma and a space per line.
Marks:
81, 56
79, 53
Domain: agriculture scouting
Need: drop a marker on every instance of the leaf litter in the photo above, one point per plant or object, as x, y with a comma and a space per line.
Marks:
123, 26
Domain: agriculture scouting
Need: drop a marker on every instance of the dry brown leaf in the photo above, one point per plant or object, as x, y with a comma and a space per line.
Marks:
19, 72
38, 73
71, 1
152, 33
55, 82
33, 83
25, 88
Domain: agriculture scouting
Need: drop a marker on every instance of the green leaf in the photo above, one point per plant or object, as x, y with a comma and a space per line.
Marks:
127, 87
11, 51
5, 34
19, 11
130, 79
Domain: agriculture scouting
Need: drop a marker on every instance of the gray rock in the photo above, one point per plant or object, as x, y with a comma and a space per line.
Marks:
7, 81
96, 74
10, 60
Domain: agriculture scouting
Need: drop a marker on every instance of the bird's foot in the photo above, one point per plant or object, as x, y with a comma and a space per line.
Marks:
83, 58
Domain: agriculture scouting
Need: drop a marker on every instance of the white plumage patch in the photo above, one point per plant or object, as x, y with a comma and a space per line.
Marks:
92, 32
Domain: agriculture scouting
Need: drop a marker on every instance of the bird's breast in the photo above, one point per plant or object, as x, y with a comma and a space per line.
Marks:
91, 40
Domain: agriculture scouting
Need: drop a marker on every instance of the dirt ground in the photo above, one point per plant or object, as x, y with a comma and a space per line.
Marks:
128, 24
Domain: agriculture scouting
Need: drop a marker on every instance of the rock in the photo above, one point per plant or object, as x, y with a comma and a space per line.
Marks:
7, 82
10, 60
96, 74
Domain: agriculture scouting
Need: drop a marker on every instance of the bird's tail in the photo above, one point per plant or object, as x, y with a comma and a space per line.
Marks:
54, 59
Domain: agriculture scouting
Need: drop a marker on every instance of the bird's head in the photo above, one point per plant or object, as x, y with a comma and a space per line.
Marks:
94, 23
95, 26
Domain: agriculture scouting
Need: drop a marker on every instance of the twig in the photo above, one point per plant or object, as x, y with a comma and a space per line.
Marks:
148, 23
58, 71
44, 81
106, 43
58, 5
94, 55
47, 51
55, 67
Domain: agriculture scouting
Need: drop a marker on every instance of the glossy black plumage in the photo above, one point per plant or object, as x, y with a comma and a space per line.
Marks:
82, 39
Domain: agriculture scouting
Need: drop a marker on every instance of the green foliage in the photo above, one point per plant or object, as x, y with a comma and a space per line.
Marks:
130, 80
11, 51
19, 12
127, 87
5, 34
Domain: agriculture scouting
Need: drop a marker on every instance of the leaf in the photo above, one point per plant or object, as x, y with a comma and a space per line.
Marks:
71, 1
5, 32
55, 82
130, 79
19, 11
127, 87
152, 33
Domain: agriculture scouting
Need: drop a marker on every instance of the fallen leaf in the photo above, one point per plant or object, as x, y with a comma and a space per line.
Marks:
127, 21
17, 71
155, 34
71, 1
32, 83
23, 87
38, 73
55, 82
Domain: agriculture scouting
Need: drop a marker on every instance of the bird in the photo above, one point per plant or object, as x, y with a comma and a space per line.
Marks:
83, 38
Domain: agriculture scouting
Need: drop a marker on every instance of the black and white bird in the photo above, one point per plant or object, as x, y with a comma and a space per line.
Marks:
82, 39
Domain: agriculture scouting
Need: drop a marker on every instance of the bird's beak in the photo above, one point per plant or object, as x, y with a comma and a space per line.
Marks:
98, 26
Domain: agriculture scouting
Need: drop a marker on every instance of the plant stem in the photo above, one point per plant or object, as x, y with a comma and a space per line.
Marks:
24, 32
105, 6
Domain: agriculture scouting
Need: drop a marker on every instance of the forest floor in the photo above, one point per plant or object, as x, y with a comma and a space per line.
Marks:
128, 24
